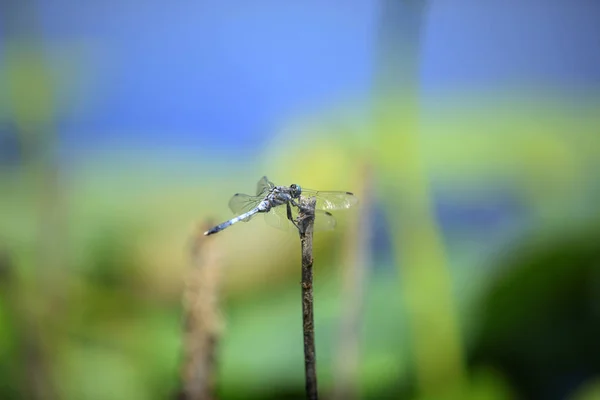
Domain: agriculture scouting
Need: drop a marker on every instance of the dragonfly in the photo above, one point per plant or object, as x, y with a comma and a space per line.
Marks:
280, 204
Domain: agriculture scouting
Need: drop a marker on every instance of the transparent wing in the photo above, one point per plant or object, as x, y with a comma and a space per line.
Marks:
331, 200
264, 185
278, 218
241, 203
324, 221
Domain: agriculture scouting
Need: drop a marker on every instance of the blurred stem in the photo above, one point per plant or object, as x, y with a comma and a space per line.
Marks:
418, 247
202, 323
356, 268
305, 221
31, 102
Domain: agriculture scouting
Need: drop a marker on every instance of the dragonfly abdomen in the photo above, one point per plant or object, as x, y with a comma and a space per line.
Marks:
232, 221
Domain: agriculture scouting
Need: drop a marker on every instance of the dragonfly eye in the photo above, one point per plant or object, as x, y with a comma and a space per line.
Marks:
295, 190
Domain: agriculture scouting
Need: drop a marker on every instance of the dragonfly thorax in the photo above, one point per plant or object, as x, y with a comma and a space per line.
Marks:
279, 196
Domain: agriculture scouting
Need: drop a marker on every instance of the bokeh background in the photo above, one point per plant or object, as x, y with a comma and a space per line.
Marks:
468, 130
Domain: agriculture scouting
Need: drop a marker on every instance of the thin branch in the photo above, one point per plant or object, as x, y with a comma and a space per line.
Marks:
305, 222
202, 326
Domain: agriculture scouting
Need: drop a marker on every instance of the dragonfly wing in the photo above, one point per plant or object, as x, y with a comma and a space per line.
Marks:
264, 185
331, 200
241, 203
277, 218
324, 221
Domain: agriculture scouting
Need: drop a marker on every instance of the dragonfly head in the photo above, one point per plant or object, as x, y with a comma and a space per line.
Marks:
296, 190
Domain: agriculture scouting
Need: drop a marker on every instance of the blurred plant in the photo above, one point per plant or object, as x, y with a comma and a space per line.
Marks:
355, 274
11, 321
405, 190
30, 91
540, 316
202, 321
588, 391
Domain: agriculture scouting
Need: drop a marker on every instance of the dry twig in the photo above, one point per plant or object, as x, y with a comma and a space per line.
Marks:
305, 221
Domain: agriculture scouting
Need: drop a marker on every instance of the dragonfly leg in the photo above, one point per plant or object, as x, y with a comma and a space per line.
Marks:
289, 213
297, 205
